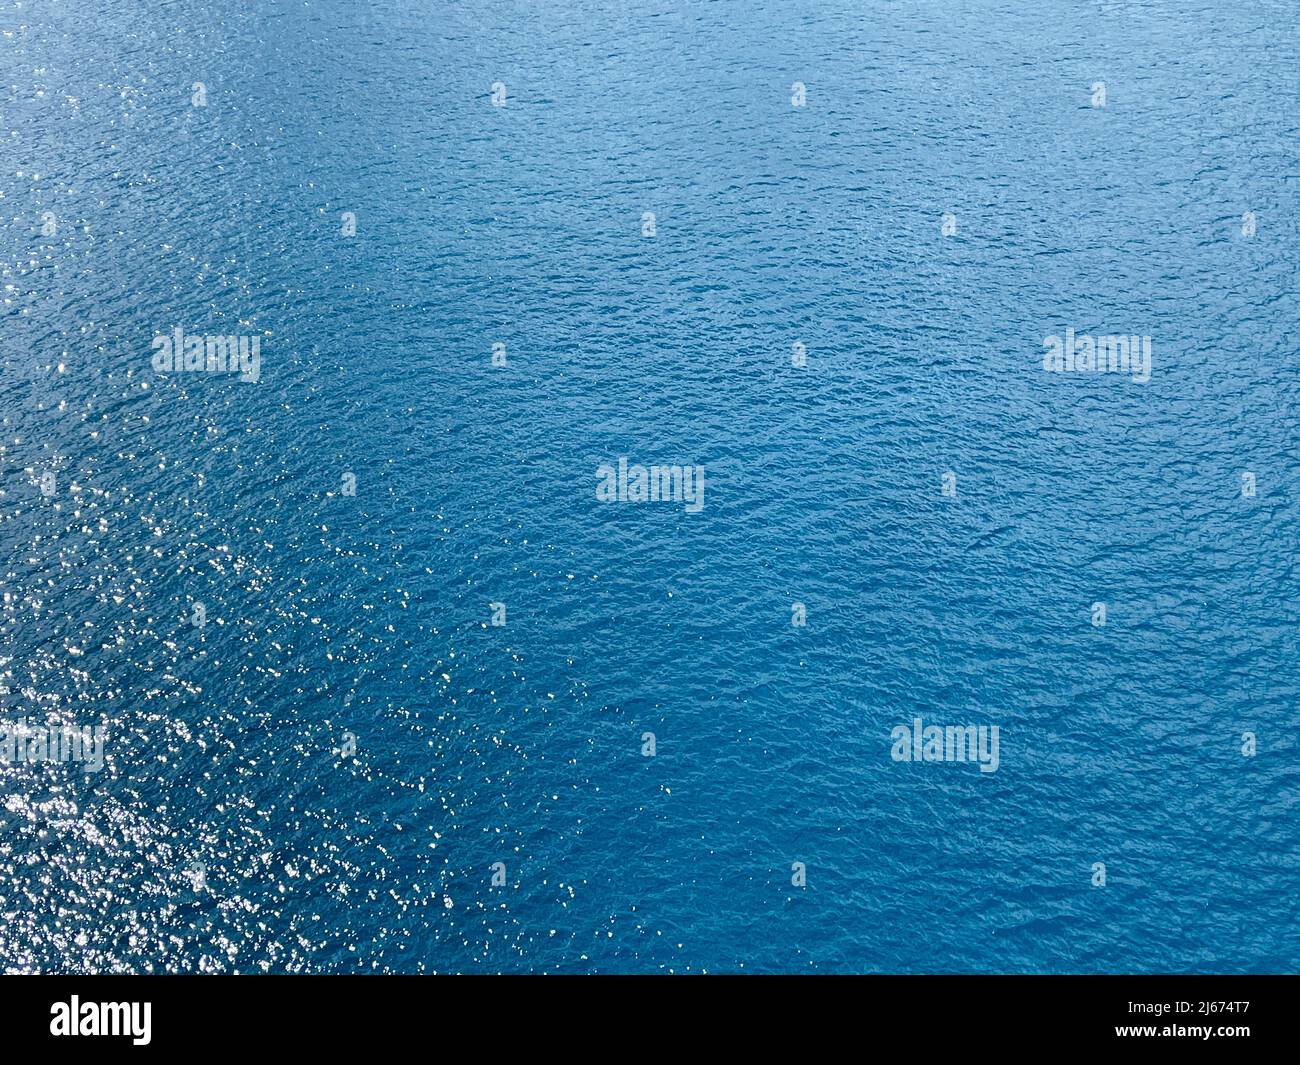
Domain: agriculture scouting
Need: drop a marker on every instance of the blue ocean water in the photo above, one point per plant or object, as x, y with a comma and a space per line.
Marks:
323, 775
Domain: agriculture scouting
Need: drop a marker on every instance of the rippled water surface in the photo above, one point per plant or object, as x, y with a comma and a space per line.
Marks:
233, 828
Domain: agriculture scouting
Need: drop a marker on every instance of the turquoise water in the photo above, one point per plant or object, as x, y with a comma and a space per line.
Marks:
322, 776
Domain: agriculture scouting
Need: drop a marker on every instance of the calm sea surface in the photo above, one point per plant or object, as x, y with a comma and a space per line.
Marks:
322, 776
